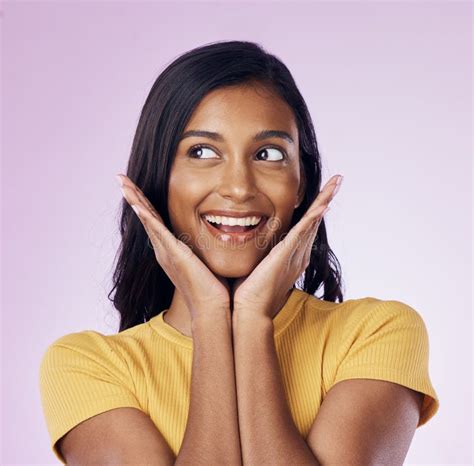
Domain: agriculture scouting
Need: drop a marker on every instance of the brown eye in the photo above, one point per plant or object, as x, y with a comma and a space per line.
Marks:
270, 156
196, 152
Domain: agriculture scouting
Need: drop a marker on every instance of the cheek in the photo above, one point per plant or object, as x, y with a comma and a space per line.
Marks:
185, 192
187, 184
284, 197
285, 193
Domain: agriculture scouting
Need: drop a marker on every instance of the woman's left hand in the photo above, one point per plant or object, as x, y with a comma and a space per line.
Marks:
265, 290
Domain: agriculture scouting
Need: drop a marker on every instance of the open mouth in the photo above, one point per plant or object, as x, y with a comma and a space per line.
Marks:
235, 228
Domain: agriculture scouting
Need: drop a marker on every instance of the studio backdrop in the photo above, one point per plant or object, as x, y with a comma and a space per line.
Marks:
389, 88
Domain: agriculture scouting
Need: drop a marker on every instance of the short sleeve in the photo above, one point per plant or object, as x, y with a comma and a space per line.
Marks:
389, 341
80, 376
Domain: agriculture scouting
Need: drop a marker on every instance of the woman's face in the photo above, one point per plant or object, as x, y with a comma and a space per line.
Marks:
235, 172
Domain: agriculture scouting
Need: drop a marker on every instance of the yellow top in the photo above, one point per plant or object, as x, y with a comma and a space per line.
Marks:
318, 343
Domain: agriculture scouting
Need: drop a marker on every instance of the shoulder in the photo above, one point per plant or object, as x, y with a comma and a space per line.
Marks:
372, 338
94, 345
87, 343
83, 355
80, 345
83, 340
362, 313
83, 374
89, 356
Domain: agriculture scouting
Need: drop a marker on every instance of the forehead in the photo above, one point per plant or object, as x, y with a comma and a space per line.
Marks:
245, 109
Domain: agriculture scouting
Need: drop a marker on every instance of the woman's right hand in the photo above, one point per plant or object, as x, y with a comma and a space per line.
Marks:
201, 289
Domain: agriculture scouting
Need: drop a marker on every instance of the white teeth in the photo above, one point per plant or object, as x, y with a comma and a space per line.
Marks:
244, 221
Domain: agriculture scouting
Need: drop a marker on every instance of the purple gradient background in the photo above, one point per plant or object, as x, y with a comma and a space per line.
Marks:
389, 89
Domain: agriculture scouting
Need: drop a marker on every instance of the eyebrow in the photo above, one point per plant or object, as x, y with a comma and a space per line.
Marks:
267, 133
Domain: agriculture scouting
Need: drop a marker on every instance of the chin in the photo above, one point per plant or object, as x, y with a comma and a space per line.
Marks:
231, 268
231, 271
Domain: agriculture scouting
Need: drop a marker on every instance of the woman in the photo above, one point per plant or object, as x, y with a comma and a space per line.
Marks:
220, 359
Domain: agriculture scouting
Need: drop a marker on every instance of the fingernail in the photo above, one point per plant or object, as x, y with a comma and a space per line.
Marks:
338, 184
119, 179
324, 212
123, 193
136, 209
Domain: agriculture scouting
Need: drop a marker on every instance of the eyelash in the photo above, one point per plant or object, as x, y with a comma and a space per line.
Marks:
204, 146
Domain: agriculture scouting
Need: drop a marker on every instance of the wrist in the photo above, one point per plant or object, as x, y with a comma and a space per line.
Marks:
242, 316
211, 316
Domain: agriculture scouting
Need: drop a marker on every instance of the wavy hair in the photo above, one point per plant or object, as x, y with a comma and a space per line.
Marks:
142, 288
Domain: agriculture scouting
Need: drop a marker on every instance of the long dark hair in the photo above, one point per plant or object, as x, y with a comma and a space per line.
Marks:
142, 288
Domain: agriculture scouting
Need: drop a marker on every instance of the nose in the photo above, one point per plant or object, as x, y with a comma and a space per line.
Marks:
237, 182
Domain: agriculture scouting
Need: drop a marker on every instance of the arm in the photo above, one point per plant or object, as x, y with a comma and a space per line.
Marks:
360, 422
268, 433
365, 422
212, 431
125, 434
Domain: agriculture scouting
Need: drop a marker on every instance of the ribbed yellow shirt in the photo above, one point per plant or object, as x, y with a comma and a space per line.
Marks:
318, 343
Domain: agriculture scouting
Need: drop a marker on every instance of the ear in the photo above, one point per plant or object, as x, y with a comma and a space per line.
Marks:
302, 187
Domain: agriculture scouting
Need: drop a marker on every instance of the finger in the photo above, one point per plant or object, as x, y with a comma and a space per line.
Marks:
162, 240
327, 194
159, 234
130, 189
135, 197
310, 244
306, 224
310, 231
299, 241
320, 205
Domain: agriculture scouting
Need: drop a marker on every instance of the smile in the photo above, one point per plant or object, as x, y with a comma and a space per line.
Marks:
239, 233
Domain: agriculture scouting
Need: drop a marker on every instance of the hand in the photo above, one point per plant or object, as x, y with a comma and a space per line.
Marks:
265, 290
200, 288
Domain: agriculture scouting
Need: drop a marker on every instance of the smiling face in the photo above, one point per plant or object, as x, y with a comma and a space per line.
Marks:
236, 172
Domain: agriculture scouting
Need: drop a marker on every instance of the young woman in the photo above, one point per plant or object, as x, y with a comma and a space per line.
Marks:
220, 359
